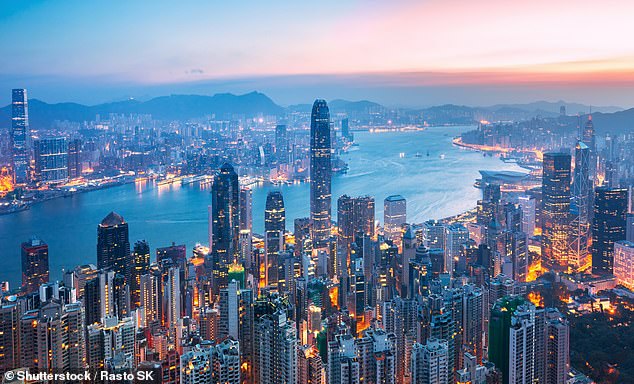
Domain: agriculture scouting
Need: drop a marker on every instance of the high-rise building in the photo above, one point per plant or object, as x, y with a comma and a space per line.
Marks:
281, 143
345, 128
555, 209
140, 266
608, 226
51, 159
355, 215
274, 228
309, 365
74, 158
517, 341
579, 255
34, 264
9, 336
196, 365
343, 363
229, 303
226, 363
455, 236
624, 263
430, 362
394, 216
557, 347
320, 174
275, 348
246, 227
113, 244
588, 137
629, 230
225, 195
527, 204
20, 137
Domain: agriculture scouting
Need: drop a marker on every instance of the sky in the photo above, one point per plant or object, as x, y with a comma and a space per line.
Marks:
398, 52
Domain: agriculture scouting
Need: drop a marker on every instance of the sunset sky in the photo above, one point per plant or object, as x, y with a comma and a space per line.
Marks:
396, 52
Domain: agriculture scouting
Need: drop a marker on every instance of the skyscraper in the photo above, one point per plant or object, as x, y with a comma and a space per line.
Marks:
274, 227
225, 195
20, 136
51, 159
354, 215
345, 128
113, 244
320, 174
394, 216
555, 209
34, 264
281, 143
140, 266
580, 210
527, 203
588, 137
624, 263
430, 362
74, 158
608, 226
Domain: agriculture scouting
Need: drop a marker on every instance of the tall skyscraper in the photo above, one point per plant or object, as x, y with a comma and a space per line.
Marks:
557, 347
275, 348
113, 244
20, 136
51, 159
140, 266
579, 257
354, 215
608, 226
394, 216
34, 264
588, 137
246, 227
225, 195
274, 227
345, 128
320, 174
555, 209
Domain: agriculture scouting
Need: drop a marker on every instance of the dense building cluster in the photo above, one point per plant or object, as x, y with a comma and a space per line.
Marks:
323, 300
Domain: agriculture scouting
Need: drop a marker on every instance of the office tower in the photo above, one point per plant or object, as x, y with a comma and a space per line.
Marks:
113, 244
579, 257
624, 263
34, 264
555, 209
196, 365
246, 227
430, 363
518, 247
226, 363
309, 365
515, 340
608, 226
527, 204
274, 227
343, 363
20, 136
629, 230
74, 158
320, 174
9, 336
140, 266
151, 296
275, 348
557, 348
225, 195
394, 217
281, 143
51, 159
455, 236
588, 137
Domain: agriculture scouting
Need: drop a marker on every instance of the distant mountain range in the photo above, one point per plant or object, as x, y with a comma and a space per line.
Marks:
226, 105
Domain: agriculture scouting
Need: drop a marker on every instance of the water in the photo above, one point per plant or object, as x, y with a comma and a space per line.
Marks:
433, 187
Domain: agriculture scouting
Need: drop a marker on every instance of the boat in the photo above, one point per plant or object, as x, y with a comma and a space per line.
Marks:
418, 154
427, 153
442, 156
13, 206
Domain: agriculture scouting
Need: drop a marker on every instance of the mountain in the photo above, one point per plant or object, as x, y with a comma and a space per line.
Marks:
548, 107
173, 107
617, 122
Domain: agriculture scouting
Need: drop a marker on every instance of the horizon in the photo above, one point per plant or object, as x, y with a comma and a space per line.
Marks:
398, 53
